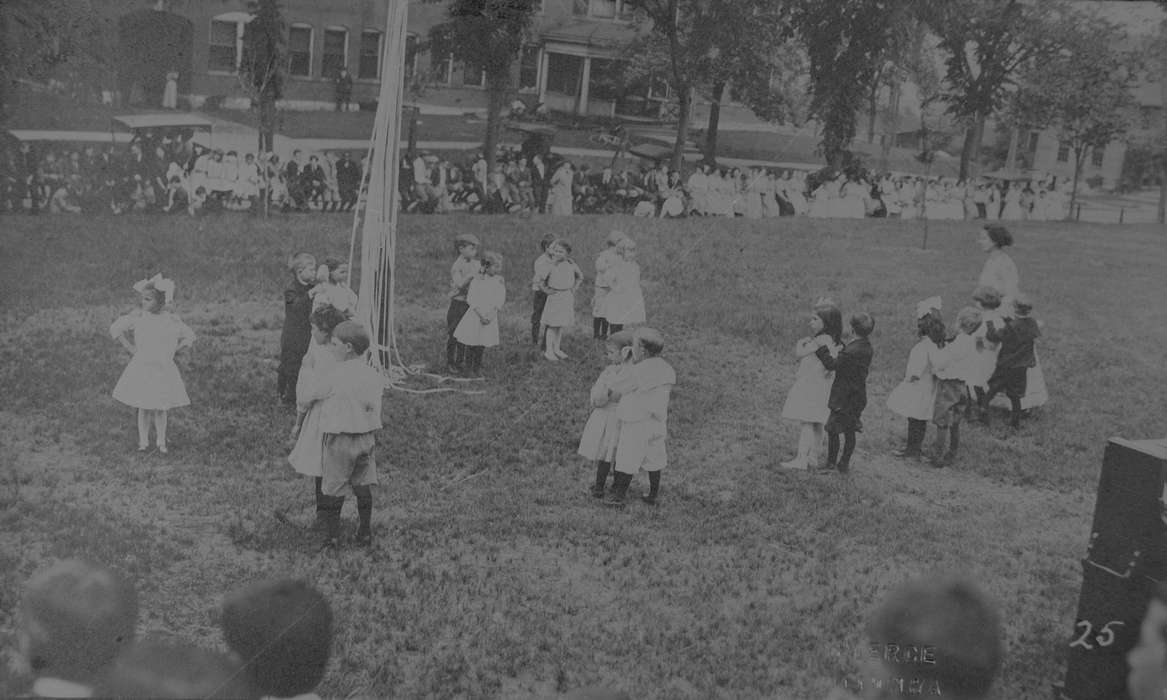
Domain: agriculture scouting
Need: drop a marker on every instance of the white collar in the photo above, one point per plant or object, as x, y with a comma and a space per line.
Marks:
59, 688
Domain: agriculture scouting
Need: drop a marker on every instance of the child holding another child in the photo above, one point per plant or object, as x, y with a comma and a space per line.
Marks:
478, 328
466, 266
848, 395
602, 431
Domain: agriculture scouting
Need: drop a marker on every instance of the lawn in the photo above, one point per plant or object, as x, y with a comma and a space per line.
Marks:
495, 575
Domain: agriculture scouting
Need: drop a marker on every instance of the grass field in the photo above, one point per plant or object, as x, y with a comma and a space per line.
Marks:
494, 574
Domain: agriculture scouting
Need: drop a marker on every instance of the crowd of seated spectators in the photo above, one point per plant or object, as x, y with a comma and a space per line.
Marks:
169, 171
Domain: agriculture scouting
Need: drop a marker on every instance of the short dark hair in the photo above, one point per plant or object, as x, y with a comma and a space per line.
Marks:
327, 318
562, 243
282, 629
987, 297
955, 619
862, 323
999, 235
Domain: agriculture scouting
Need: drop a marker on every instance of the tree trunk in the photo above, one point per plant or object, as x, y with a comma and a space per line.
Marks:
893, 126
970, 154
267, 122
1161, 216
684, 98
496, 98
872, 106
714, 120
1079, 160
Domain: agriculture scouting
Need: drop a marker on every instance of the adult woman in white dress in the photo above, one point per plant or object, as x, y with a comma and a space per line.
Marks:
794, 184
559, 200
697, 187
1000, 273
852, 200
1012, 210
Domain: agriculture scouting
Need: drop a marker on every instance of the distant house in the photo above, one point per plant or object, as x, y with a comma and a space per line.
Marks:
1042, 150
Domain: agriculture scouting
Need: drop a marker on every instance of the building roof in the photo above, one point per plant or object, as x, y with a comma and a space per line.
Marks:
589, 32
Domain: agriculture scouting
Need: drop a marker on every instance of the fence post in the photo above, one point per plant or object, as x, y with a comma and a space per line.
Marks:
1121, 214
1078, 213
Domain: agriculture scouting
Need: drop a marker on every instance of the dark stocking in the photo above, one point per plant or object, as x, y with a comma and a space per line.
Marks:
319, 498
1015, 417
364, 496
832, 448
653, 483
953, 437
848, 447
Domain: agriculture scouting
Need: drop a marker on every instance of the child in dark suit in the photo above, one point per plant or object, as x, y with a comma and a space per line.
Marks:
297, 331
848, 395
1017, 338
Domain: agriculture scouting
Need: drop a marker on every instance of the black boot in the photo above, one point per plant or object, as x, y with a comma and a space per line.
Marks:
916, 430
333, 507
832, 450
619, 490
318, 524
1015, 413
653, 488
844, 464
602, 469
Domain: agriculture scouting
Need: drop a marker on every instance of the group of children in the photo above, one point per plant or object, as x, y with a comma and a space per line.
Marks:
950, 374
76, 636
953, 374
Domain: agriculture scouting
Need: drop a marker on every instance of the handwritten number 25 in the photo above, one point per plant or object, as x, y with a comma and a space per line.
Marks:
1104, 638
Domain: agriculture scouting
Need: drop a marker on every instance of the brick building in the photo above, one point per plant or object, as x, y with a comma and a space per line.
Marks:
571, 63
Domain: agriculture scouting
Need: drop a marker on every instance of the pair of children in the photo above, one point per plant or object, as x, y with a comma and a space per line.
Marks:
830, 386
76, 626
151, 382
336, 438
311, 288
628, 426
618, 299
477, 294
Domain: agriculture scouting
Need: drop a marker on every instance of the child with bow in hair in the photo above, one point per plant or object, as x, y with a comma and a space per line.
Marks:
915, 397
151, 382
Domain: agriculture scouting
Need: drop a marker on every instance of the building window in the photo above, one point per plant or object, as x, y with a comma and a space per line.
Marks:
410, 57
1096, 156
300, 50
369, 66
335, 54
606, 78
1033, 139
226, 45
529, 68
604, 9
473, 76
1064, 152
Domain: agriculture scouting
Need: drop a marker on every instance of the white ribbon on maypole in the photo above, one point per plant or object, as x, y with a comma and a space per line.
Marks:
378, 224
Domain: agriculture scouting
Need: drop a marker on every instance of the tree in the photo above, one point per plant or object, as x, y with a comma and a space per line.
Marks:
1083, 92
987, 43
263, 64
846, 41
707, 46
39, 36
487, 35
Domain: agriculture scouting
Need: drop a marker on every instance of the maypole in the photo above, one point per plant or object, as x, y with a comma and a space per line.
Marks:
377, 222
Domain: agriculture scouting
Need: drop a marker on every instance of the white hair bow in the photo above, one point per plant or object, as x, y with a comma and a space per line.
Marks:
929, 304
159, 283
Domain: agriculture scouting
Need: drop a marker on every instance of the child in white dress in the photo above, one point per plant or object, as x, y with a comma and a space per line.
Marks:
624, 305
604, 263
915, 397
807, 400
602, 431
307, 453
151, 383
332, 287
478, 328
562, 279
